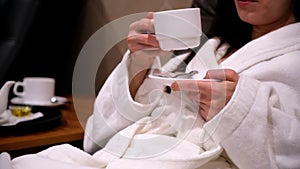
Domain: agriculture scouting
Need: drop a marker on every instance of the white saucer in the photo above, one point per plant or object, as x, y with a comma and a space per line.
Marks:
168, 80
20, 100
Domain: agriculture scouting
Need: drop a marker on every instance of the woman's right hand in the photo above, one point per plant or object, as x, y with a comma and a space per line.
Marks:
140, 38
141, 35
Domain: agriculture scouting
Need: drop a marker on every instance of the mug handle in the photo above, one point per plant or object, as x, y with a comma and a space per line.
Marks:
15, 90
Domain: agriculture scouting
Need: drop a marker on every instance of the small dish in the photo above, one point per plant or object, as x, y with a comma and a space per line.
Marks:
20, 111
50, 118
21, 101
167, 81
12, 120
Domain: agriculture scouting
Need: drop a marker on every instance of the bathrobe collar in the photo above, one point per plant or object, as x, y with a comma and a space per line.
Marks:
271, 45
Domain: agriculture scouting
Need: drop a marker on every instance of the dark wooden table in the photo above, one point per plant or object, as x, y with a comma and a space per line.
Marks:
69, 131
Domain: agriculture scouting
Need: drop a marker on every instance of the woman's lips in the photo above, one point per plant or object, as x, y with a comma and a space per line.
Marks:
248, 0
244, 3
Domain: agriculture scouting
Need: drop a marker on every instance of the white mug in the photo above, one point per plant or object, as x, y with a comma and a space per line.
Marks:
35, 89
178, 29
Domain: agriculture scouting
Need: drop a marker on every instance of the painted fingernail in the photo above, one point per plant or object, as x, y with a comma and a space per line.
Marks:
174, 87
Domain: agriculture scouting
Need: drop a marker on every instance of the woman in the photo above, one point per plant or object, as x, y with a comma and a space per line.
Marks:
257, 120
249, 115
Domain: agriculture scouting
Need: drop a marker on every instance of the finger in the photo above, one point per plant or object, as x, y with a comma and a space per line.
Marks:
138, 47
195, 96
222, 74
206, 112
203, 112
143, 26
150, 15
192, 85
142, 41
151, 39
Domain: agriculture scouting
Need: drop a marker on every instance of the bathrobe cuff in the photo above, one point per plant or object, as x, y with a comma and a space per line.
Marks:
114, 109
232, 115
123, 102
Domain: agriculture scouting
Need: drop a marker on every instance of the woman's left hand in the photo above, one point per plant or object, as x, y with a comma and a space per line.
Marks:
211, 95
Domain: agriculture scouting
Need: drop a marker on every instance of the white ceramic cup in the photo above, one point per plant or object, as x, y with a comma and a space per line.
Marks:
178, 29
35, 89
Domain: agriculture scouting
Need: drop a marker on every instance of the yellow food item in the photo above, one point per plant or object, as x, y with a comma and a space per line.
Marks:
20, 111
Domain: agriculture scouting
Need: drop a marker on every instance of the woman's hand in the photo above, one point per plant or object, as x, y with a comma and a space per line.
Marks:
141, 34
140, 38
211, 95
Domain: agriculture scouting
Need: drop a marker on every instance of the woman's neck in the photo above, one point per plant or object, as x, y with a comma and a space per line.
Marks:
260, 30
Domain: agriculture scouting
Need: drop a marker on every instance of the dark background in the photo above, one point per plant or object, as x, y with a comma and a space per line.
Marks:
48, 48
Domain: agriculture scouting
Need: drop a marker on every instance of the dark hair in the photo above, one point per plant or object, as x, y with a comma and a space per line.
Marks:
297, 10
231, 29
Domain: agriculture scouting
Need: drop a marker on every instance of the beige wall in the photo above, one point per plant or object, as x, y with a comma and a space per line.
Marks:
100, 12
125, 7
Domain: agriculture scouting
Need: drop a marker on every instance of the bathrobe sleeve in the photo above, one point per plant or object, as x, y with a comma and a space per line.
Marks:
114, 109
259, 127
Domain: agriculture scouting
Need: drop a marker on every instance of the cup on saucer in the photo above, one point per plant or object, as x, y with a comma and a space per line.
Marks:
36, 90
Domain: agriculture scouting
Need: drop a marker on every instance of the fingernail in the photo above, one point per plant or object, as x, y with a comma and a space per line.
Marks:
174, 87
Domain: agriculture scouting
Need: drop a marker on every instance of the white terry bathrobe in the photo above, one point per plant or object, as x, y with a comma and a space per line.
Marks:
258, 128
